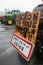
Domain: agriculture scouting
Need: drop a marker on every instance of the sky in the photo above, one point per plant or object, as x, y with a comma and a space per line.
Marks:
23, 5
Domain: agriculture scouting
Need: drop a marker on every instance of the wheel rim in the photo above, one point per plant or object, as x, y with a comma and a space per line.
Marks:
9, 22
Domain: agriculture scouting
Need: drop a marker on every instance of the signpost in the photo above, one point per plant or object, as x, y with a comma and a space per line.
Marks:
25, 34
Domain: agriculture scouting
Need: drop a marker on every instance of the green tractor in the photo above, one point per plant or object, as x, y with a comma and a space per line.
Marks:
9, 18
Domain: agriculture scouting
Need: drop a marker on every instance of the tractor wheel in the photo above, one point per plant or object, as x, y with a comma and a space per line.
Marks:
1, 21
9, 21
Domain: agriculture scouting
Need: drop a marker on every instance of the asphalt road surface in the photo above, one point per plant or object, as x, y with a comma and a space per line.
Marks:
8, 55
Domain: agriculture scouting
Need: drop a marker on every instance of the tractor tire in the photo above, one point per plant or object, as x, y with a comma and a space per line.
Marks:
1, 21
9, 21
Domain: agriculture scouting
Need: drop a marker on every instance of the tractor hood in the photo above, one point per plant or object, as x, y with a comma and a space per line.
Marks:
9, 15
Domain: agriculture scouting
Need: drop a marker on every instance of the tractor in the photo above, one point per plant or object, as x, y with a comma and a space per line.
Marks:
9, 18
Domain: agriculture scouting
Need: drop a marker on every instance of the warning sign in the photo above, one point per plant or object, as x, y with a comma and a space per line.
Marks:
27, 25
25, 34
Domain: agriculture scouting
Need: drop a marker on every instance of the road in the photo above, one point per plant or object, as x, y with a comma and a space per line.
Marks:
8, 55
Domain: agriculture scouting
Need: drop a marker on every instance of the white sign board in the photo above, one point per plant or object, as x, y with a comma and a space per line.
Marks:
23, 47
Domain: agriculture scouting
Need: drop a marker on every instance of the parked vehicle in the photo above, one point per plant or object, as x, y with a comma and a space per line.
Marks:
9, 18
1, 17
2, 14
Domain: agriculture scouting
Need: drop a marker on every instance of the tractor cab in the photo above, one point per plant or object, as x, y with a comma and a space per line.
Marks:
15, 12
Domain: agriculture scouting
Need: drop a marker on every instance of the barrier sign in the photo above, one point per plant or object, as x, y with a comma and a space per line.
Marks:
25, 34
